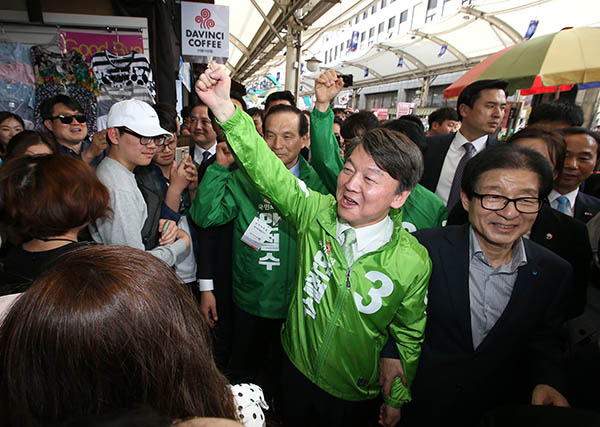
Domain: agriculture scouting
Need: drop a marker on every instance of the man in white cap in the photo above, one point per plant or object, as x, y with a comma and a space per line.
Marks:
134, 133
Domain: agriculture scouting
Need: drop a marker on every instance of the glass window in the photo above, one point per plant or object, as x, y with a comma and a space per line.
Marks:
374, 9
381, 28
403, 16
363, 35
371, 32
383, 4
392, 22
335, 53
431, 4
326, 57
365, 14
357, 19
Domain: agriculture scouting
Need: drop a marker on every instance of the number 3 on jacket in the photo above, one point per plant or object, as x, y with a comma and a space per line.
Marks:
376, 294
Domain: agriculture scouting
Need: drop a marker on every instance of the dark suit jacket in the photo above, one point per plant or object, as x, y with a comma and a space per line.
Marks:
586, 206
563, 235
455, 383
437, 148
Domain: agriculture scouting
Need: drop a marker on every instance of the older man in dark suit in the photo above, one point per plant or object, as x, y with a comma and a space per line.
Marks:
481, 108
495, 301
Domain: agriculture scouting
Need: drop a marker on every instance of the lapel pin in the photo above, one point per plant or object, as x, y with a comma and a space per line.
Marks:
534, 273
549, 236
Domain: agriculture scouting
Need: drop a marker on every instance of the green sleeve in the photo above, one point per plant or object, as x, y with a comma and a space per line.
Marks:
407, 330
297, 203
324, 148
214, 203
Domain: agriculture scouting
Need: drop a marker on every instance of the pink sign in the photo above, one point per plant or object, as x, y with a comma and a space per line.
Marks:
90, 43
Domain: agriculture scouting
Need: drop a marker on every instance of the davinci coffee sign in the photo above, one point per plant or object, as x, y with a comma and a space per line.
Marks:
204, 30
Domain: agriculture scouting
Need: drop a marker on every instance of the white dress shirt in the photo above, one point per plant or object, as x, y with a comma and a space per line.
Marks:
455, 153
199, 151
369, 238
572, 196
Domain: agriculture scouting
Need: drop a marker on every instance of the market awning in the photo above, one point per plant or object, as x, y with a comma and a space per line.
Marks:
462, 40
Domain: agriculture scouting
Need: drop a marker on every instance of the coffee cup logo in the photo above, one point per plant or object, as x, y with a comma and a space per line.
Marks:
204, 20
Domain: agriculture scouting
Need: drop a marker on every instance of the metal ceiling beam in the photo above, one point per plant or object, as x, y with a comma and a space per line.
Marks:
266, 46
267, 20
495, 22
237, 43
362, 67
408, 75
420, 65
454, 51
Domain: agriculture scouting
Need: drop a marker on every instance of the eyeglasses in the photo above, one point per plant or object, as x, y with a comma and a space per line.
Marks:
67, 119
495, 202
170, 142
145, 140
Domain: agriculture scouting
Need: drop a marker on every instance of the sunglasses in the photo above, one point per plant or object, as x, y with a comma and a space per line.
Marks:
67, 119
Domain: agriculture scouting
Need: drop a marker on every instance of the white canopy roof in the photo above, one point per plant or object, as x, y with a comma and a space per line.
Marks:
258, 29
469, 36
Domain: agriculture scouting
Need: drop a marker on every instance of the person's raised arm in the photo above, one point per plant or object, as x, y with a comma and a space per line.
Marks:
325, 153
292, 198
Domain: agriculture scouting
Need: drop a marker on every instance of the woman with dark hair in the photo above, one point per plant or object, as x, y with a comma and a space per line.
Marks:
46, 200
30, 143
107, 329
546, 141
10, 125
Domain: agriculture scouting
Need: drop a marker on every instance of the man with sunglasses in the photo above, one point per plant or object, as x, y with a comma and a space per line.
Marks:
65, 120
495, 300
134, 134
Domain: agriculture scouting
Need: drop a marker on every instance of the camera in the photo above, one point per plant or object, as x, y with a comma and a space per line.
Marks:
347, 78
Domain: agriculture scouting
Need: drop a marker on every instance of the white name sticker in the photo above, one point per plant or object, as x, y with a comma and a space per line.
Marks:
256, 234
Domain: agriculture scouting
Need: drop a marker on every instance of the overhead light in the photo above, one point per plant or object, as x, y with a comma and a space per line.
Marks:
313, 64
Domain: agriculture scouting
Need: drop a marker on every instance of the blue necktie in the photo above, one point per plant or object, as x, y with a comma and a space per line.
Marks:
563, 203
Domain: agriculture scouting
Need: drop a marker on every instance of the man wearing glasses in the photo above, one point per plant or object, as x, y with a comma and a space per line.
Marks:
64, 119
134, 134
495, 301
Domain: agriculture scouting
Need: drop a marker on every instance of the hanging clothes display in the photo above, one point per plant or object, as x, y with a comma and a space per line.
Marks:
17, 82
67, 74
121, 77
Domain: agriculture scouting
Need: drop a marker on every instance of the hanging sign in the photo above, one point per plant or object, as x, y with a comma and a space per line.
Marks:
533, 24
204, 30
90, 43
354, 41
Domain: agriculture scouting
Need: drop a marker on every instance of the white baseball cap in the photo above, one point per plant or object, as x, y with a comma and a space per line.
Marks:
136, 115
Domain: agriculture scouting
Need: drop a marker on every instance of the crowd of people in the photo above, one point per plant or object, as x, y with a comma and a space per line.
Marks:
284, 267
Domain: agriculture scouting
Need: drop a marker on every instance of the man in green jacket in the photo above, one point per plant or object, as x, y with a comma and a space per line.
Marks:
263, 271
360, 276
423, 209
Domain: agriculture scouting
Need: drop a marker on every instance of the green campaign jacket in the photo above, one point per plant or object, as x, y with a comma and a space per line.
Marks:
340, 317
423, 209
262, 279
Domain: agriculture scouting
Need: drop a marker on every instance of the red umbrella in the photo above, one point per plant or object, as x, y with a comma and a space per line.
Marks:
538, 87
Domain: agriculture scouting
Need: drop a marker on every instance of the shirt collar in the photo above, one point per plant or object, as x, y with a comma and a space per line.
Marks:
295, 170
198, 151
572, 196
63, 149
364, 235
460, 140
518, 256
